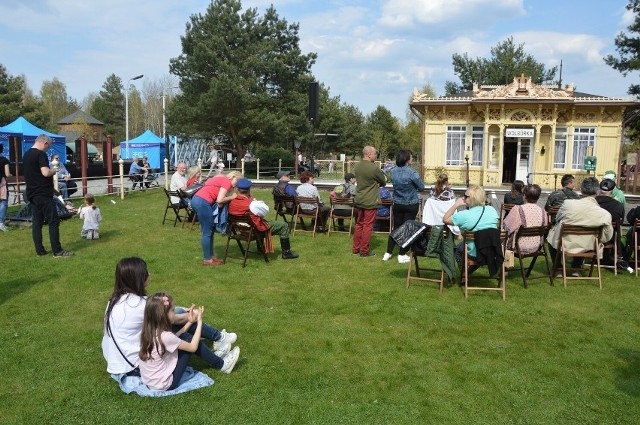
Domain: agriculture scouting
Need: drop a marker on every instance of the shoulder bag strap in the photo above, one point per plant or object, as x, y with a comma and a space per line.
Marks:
116, 344
481, 214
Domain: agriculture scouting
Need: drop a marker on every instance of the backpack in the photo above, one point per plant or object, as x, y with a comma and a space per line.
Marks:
341, 191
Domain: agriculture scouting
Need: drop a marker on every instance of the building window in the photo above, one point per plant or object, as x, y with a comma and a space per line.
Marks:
455, 144
560, 157
477, 144
583, 139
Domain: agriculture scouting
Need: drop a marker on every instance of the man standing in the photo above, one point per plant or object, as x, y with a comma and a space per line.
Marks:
39, 180
370, 177
178, 181
580, 212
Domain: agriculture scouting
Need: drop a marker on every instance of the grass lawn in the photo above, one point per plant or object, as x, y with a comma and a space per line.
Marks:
328, 338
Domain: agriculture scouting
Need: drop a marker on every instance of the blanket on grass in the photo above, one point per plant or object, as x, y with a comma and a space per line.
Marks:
191, 380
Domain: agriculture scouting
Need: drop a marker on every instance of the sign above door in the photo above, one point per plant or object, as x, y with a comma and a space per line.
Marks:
519, 132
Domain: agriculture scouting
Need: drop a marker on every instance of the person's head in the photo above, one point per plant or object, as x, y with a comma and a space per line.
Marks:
234, 176
589, 186
606, 187
43, 142
193, 171
369, 153
284, 176
90, 200
531, 193
350, 178
610, 174
156, 320
131, 277
403, 157
306, 177
568, 181
474, 196
181, 168
442, 183
144, 159
55, 157
516, 187
244, 186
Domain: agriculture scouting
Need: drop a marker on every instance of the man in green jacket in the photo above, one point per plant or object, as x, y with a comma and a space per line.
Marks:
369, 177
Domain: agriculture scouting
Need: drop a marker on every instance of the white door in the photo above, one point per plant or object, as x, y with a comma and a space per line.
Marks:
523, 159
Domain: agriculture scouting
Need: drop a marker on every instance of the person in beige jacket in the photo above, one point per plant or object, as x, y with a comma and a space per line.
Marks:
580, 212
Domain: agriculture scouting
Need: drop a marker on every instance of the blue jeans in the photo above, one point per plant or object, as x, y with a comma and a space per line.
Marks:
4, 204
205, 216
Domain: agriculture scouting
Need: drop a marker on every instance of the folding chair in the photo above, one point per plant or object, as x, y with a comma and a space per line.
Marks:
551, 213
504, 211
532, 232
585, 232
301, 214
613, 244
464, 272
414, 267
636, 247
333, 216
176, 208
388, 219
243, 231
284, 206
191, 216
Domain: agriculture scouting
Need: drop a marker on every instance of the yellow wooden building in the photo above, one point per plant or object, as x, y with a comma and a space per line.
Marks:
520, 131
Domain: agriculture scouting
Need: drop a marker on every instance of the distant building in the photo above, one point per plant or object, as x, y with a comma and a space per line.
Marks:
80, 123
520, 131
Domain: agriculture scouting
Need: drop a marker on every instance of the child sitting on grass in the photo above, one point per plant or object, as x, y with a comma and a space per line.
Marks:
90, 213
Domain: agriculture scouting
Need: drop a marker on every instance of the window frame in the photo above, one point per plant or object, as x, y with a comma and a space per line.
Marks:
581, 135
457, 131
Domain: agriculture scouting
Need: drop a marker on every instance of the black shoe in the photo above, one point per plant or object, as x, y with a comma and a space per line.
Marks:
43, 253
368, 254
289, 255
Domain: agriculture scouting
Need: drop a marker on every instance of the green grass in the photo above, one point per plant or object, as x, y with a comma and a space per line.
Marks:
326, 339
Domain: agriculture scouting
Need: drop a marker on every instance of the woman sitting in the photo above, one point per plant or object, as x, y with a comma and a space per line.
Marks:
442, 191
308, 190
530, 214
515, 196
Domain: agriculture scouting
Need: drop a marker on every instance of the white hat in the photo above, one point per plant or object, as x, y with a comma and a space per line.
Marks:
259, 208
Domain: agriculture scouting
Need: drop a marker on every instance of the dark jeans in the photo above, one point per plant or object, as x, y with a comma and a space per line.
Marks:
203, 351
401, 213
44, 208
181, 366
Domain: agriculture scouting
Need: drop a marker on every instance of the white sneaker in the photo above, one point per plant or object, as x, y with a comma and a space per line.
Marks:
3, 227
386, 256
230, 360
222, 349
226, 338
402, 259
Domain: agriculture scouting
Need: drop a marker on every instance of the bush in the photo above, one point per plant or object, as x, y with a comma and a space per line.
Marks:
270, 157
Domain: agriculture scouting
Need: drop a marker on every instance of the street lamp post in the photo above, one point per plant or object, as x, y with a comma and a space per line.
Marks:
164, 122
126, 109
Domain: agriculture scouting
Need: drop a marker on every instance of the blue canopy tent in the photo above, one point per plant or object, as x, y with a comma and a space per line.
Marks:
147, 144
28, 133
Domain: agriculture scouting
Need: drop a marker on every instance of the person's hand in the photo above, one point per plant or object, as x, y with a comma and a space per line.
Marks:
200, 311
459, 202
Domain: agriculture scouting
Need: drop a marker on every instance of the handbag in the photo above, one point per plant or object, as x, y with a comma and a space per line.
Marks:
191, 190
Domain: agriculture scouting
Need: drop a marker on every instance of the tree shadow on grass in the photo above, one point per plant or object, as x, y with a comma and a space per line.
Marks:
628, 372
11, 288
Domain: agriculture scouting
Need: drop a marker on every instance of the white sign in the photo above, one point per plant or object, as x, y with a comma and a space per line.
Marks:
519, 132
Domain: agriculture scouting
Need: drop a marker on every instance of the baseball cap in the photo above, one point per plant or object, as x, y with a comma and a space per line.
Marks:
282, 174
609, 174
243, 184
607, 185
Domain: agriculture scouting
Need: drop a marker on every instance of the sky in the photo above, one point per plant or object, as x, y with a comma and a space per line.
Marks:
370, 52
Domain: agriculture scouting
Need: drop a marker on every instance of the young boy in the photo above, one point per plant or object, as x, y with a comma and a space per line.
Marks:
245, 203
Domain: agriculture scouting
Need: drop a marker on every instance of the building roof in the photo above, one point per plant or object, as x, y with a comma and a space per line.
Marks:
522, 89
79, 116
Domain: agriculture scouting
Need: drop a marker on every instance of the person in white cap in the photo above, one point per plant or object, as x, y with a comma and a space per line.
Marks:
245, 203
617, 194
